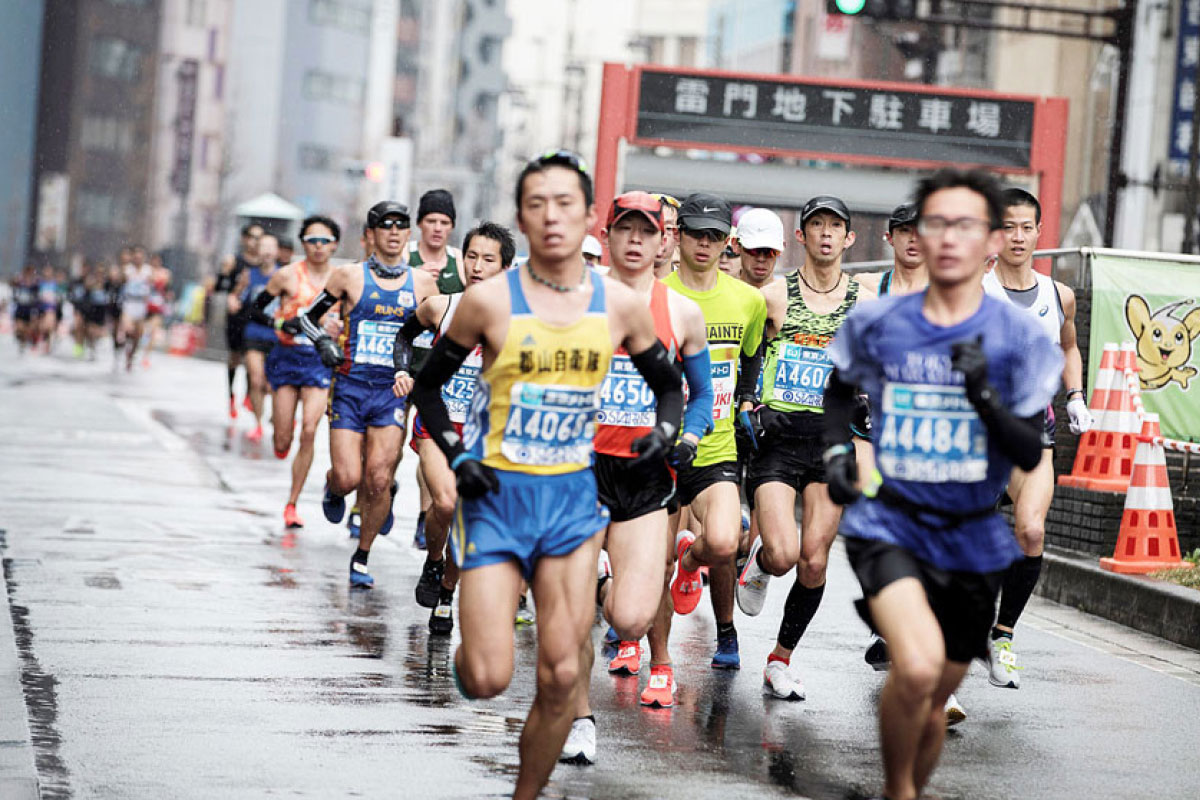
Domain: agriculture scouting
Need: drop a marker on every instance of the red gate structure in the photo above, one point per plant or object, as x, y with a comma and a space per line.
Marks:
868, 123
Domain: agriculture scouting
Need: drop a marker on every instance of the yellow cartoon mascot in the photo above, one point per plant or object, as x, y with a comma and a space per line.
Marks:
1164, 343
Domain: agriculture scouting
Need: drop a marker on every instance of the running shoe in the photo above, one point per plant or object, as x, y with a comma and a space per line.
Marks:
430, 584
354, 523
333, 505
580, 747
232, 407
441, 618
290, 518
359, 575
256, 434
686, 589
390, 520
1002, 664
628, 660
611, 643
779, 682
419, 533
877, 654
751, 589
246, 404
727, 656
660, 692
525, 615
603, 573
954, 712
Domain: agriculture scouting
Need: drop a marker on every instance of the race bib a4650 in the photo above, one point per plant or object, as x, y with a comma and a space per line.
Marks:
625, 398
931, 434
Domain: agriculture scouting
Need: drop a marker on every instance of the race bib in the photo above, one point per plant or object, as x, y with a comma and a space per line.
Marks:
801, 374
931, 434
625, 399
724, 381
376, 340
549, 425
458, 391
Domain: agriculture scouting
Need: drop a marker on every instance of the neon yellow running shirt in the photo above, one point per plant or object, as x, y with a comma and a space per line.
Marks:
734, 316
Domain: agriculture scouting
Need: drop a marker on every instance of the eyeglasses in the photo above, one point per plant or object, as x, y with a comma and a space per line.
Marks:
563, 158
665, 198
708, 234
317, 240
967, 228
392, 222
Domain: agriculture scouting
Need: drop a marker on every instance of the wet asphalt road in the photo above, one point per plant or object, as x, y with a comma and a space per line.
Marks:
176, 642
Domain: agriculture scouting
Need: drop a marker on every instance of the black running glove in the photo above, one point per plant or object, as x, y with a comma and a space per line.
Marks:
682, 454
968, 358
474, 478
751, 424
653, 447
841, 473
1018, 439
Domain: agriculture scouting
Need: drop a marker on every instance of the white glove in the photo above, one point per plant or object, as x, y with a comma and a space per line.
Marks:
1081, 418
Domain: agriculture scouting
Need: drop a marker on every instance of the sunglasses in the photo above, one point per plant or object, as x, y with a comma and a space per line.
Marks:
709, 234
760, 252
729, 252
666, 198
564, 158
392, 222
317, 240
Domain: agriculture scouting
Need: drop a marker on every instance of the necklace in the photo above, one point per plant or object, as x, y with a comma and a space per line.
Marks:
557, 287
800, 272
383, 270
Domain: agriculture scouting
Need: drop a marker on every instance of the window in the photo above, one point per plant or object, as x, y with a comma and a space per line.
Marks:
100, 211
489, 46
115, 58
345, 14
315, 158
106, 134
195, 13
212, 44
320, 85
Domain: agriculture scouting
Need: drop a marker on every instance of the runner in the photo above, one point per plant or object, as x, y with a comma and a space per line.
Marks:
908, 273
663, 265
366, 421
958, 382
77, 296
804, 311
760, 243
734, 314
235, 321
593, 251
259, 338
156, 306
25, 309
636, 565
96, 305
48, 306
114, 287
294, 370
1052, 304
135, 300
489, 249
730, 261
529, 505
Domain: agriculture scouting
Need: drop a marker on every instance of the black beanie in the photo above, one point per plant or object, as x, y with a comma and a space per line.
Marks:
436, 201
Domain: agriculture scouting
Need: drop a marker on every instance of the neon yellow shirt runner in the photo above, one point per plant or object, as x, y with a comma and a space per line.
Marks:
734, 316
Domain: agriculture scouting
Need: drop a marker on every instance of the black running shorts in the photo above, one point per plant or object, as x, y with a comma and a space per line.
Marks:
631, 492
691, 481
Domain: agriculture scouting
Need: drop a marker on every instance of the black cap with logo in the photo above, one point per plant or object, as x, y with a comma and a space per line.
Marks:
825, 202
705, 212
902, 215
386, 208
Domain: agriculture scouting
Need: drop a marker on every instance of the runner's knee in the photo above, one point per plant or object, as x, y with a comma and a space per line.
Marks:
778, 557
378, 480
557, 677
630, 619
916, 675
484, 675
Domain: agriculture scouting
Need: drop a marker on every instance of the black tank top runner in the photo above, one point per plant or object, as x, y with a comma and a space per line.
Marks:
885, 284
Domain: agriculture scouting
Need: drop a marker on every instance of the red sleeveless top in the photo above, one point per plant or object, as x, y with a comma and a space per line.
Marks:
306, 292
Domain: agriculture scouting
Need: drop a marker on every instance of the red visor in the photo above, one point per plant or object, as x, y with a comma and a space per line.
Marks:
642, 202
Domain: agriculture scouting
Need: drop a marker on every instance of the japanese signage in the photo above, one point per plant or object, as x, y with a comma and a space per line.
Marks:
1184, 106
841, 121
185, 125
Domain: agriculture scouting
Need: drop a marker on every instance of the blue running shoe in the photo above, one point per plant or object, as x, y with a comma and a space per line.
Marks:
745, 520
354, 523
727, 656
419, 533
333, 505
612, 643
386, 527
359, 577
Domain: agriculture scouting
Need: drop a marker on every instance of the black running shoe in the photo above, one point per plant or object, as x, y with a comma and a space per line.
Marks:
441, 619
877, 655
430, 584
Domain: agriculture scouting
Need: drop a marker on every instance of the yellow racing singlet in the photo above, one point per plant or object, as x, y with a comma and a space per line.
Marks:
534, 408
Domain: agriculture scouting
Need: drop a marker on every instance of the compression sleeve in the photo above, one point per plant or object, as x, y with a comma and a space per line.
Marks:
838, 406
1018, 438
662, 377
310, 320
442, 362
698, 415
749, 368
258, 309
402, 350
224, 282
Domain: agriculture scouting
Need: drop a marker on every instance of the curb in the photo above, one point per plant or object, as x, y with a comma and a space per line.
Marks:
1155, 607
18, 769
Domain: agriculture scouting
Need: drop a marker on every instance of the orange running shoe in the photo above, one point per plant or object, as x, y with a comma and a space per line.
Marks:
660, 692
246, 404
232, 408
256, 434
290, 518
628, 660
687, 588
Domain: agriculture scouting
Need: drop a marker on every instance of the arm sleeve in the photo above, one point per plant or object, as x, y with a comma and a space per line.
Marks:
224, 282
1018, 438
310, 320
443, 361
838, 406
402, 351
754, 328
258, 309
663, 379
698, 415
749, 368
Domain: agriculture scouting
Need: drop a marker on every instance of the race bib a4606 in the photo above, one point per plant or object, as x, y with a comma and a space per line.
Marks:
801, 374
549, 425
376, 341
931, 434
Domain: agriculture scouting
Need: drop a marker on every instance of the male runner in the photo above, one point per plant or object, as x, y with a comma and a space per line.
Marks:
637, 565
135, 302
957, 382
1052, 305
24, 294
488, 249
77, 296
95, 316
804, 311
48, 305
529, 505
760, 243
232, 268
908, 273
156, 305
366, 420
663, 265
294, 370
259, 337
734, 314
593, 251
730, 262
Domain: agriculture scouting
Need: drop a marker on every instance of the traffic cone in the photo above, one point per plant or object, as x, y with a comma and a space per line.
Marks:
1148, 540
1104, 460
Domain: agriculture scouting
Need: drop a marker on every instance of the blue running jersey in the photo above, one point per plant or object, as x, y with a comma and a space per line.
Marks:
371, 327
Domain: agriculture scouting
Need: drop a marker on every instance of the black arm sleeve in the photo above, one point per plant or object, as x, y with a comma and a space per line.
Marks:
442, 362
838, 406
310, 320
1018, 438
258, 309
749, 368
665, 381
402, 351
224, 282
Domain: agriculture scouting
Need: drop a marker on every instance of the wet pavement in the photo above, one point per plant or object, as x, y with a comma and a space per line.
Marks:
175, 641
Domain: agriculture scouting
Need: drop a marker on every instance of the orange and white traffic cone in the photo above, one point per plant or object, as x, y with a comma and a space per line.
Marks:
1104, 460
1148, 540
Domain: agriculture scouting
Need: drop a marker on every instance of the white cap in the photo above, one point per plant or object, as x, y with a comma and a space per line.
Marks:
760, 227
591, 246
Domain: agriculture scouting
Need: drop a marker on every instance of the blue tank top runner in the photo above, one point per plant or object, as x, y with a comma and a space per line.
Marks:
371, 327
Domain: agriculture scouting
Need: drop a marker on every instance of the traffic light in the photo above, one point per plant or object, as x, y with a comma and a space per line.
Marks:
892, 10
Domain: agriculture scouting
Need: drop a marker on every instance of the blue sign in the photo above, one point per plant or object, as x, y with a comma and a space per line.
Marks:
1183, 110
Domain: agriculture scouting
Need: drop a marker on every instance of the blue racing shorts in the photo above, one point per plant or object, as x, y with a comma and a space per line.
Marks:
296, 365
529, 518
356, 405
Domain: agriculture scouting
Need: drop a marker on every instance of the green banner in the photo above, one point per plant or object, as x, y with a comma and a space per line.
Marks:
1156, 305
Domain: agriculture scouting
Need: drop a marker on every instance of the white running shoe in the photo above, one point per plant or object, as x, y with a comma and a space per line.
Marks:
751, 589
778, 681
580, 747
955, 713
1002, 664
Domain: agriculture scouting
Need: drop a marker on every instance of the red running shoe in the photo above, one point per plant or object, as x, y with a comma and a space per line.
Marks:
290, 518
687, 588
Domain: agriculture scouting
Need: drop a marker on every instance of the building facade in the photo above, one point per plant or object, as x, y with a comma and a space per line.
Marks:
20, 53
